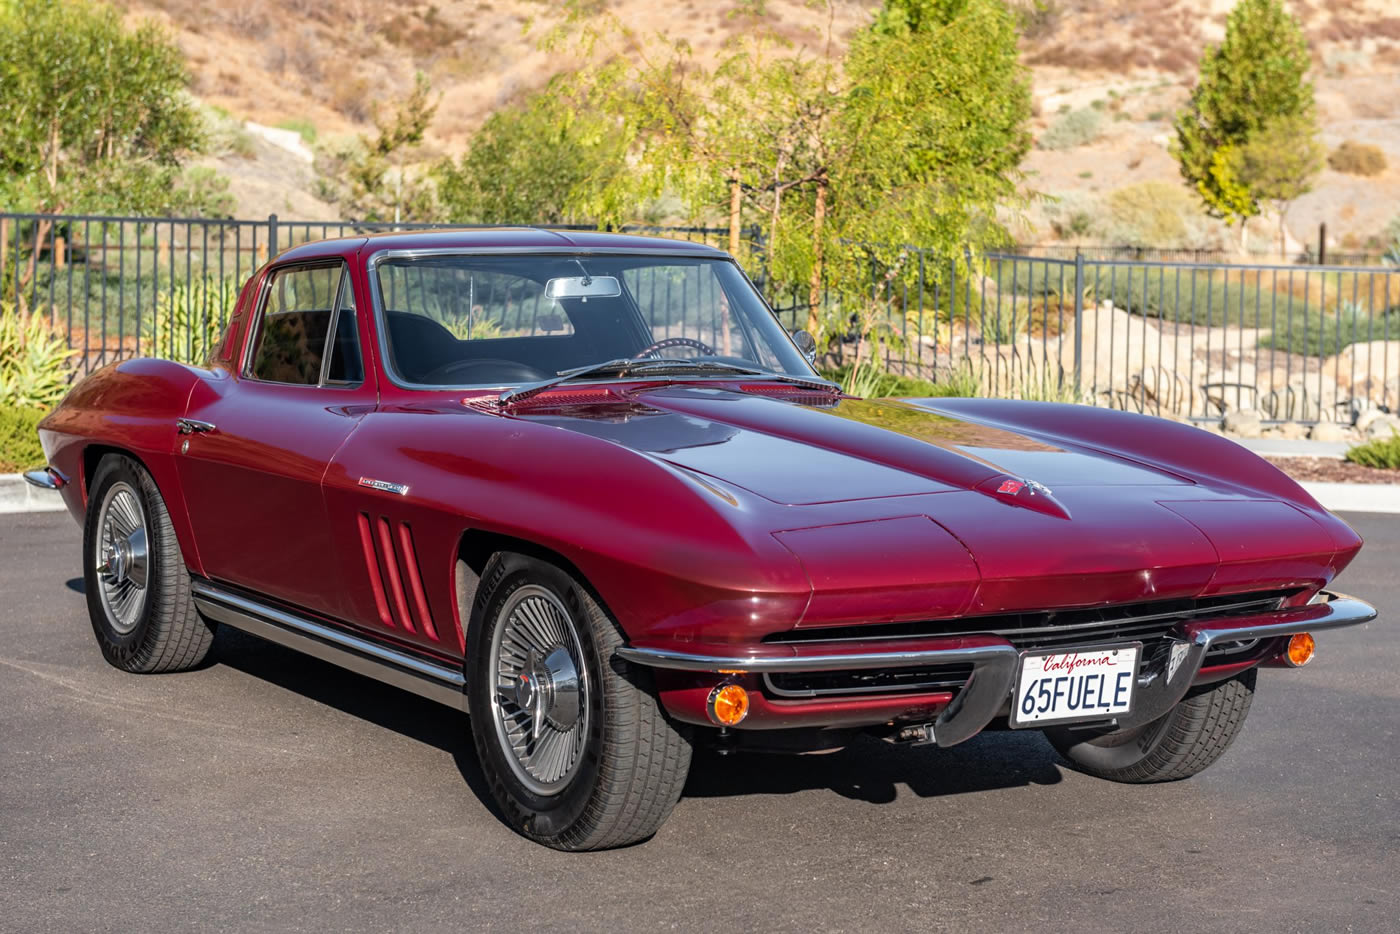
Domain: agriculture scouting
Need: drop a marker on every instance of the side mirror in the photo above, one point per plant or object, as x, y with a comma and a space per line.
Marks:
806, 343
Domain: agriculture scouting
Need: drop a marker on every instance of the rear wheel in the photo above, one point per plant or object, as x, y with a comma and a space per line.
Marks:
1190, 737
138, 588
577, 750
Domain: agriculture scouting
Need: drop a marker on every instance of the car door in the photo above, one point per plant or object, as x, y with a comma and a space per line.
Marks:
257, 440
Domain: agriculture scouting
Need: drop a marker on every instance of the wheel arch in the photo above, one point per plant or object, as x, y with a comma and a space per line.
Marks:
475, 549
92, 455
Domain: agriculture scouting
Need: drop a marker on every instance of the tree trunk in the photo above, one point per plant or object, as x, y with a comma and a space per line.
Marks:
815, 296
736, 202
1282, 233
1244, 235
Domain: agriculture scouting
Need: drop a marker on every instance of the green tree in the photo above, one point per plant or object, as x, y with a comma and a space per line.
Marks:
373, 178
1256, 76
1279, 164
95, 115
531, 163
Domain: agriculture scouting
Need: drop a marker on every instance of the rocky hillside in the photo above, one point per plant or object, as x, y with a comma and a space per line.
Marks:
319, 66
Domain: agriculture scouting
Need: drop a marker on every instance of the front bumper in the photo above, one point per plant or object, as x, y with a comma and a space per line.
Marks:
985, 694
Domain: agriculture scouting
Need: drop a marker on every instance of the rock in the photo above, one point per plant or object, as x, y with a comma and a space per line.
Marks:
1382, 427
1292, 431
1364, 420
1329, 431
1243, 423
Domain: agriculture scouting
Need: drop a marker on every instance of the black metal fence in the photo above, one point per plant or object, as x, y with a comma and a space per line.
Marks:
1187, 339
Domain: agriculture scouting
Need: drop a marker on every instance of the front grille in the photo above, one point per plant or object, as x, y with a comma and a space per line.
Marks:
1147, 623
868, 681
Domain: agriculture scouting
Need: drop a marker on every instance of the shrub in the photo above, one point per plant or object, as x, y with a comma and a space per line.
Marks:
1076, 128
1382, 453
1153, 214
1355, 158
35, 361
19, 438
871, 382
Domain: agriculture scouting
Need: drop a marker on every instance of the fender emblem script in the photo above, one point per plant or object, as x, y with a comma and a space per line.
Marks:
385, 485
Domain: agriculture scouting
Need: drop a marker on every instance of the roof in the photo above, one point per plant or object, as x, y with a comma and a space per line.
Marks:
523, 238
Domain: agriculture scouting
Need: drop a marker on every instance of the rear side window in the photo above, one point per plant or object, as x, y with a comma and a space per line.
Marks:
303, 309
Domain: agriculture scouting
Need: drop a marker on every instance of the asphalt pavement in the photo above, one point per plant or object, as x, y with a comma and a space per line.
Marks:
269, 791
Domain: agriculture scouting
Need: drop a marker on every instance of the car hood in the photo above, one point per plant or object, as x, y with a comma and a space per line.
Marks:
840, 449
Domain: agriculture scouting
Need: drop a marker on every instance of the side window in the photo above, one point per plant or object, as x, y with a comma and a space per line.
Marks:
291, 339
345, 368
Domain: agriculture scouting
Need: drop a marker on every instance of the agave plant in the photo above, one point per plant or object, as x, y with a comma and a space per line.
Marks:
35, 361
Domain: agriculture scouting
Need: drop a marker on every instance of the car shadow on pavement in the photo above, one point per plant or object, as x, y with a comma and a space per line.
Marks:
407, 714
872, 770
868, 770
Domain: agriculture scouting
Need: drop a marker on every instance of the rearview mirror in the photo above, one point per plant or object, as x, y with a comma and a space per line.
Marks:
584, 287
807, 344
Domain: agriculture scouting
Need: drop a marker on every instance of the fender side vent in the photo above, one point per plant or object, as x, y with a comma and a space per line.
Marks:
391, 563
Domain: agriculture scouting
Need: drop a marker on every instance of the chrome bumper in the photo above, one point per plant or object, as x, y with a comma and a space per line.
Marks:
994, 661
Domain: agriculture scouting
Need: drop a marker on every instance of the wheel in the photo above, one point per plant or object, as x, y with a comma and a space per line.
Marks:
138, 589
573, 743
1191, 736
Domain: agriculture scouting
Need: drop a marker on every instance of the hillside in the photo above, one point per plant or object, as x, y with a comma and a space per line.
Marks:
322, 65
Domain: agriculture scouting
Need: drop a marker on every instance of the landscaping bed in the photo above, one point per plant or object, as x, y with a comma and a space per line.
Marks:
1332, 470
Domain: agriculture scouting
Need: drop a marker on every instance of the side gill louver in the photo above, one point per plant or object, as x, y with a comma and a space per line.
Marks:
391, 562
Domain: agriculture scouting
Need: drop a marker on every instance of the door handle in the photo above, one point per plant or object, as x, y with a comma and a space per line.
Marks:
193, 426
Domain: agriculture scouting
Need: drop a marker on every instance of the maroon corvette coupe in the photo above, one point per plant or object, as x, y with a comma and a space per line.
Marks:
587, 488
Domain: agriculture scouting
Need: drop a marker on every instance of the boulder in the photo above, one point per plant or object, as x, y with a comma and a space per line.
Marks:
1243, 423
1292, 431
1382, 427
1329, 431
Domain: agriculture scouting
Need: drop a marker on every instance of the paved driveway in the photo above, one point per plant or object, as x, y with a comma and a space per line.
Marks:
273, 792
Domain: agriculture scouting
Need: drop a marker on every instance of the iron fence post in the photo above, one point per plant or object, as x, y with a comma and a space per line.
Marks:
1078, 320
271, 236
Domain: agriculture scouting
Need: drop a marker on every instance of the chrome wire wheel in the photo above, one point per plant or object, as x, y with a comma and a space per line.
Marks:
540, 704
121, 556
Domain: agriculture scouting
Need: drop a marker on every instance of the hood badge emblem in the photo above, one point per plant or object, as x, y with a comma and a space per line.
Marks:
1011, 487
385, 485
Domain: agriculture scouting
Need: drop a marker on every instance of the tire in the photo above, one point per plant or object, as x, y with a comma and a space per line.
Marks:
1195, 733
153, 627
610, 779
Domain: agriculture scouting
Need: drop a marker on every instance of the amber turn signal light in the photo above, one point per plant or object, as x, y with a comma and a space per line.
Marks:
1300, 649
728, 704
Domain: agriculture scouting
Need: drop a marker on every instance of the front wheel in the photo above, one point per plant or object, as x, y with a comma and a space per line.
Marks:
577, 750
1191, 736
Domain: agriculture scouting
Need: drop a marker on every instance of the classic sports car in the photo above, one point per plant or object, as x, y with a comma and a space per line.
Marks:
586, 488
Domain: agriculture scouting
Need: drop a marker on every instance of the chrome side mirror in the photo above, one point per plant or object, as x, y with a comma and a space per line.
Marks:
806, 343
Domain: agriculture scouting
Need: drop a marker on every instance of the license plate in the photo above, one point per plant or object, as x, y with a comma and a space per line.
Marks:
1075, 685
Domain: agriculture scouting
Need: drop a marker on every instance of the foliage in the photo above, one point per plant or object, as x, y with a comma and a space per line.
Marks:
188, 321
916, 136
35, 361
1279, 162
869, 381
96, 116
1151, 214
1382, 453
1355, 158
1257, 75
19, 438
1075, 128
532, 163
370, 178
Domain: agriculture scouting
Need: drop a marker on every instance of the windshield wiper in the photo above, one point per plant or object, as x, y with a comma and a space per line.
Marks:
624, 366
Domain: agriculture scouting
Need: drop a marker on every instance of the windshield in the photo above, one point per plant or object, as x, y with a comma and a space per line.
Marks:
501, 320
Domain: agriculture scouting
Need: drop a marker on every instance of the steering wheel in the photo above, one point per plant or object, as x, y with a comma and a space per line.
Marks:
488, 370
669, 342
